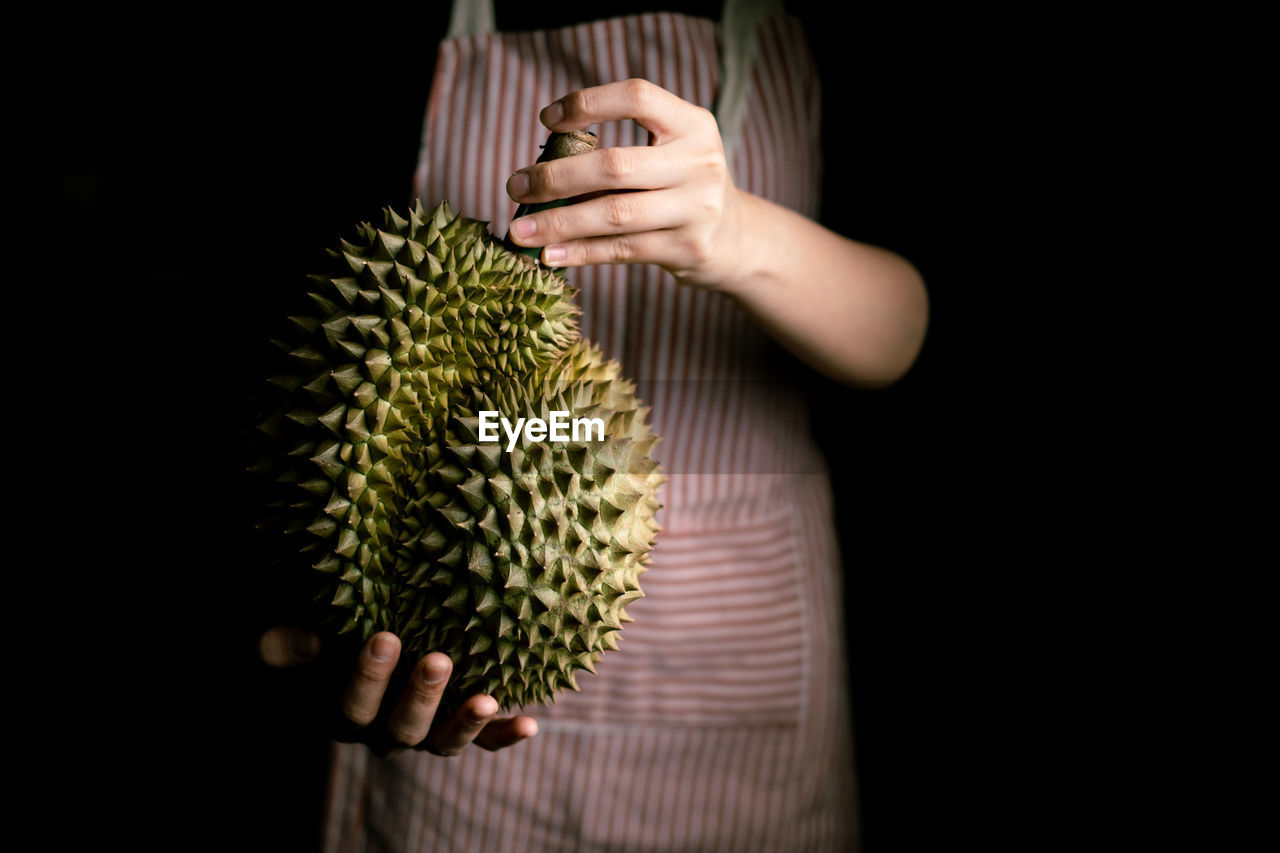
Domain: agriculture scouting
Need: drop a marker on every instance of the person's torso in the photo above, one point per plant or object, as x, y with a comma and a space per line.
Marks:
723, 397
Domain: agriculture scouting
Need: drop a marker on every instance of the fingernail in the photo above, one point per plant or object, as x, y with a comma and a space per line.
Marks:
436, 673
383, 648
553, 114
524, 227
518, 184
483, 710
553, 255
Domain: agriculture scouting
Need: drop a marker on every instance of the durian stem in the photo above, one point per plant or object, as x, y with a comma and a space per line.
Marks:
557, 145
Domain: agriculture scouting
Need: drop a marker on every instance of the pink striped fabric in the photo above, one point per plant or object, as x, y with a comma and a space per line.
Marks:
721, 723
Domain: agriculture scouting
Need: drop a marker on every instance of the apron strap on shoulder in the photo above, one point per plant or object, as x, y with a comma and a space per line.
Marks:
471, 18
738, 22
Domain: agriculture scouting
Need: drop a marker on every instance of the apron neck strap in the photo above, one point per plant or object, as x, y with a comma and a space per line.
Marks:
738, 22
471, 18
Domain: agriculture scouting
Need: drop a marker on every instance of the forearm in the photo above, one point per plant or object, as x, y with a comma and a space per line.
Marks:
851, 311
854, 312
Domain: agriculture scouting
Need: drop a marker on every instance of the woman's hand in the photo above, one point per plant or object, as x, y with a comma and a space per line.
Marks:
855, 312
366, 715
672, 203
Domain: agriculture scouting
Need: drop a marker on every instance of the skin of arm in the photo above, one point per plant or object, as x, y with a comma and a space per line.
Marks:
854, 312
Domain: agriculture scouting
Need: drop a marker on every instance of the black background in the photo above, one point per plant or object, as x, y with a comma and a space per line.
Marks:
218, 156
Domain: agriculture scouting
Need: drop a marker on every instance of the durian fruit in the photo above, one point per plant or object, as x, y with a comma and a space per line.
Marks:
517, 564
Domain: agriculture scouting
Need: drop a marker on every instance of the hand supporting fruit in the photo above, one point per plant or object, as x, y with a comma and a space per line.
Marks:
366, 713
852, 311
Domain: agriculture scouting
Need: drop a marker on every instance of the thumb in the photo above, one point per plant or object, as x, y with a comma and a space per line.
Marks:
288, 646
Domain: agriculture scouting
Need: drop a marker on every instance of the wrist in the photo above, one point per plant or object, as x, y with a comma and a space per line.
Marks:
750, 254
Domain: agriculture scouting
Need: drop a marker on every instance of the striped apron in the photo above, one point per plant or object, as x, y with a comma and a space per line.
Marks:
722, 722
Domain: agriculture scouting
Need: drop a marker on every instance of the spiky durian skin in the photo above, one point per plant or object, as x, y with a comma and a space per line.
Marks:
517, 564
